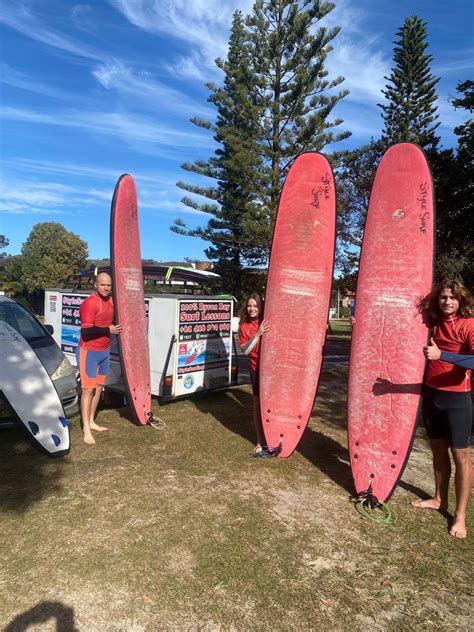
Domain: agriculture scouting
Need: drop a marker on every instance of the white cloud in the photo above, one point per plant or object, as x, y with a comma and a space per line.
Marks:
85, 171
116, 75
357, 57
83, 18
190, 67
362, 68
17, 16
130, 127
12, 77
461, 66
23, 195
450, 117
13, 208
165, 205
203, 24
34, 195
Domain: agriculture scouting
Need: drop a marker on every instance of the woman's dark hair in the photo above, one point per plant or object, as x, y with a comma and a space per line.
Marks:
243, 315
429, 306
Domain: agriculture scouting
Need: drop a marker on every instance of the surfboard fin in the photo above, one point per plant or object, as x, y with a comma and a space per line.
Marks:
34, 427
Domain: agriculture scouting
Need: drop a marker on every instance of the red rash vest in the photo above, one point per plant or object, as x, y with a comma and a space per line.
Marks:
454, 335
96, 311
247, 330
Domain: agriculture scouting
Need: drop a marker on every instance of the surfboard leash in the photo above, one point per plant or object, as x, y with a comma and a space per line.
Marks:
369, 506
155, 422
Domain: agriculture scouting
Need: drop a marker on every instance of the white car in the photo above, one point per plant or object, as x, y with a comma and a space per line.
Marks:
62, 373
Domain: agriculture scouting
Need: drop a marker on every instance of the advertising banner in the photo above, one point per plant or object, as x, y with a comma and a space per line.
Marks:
204, 345
70, 321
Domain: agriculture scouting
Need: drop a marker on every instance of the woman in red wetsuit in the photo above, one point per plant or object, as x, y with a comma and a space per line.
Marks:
447, 406
251, 327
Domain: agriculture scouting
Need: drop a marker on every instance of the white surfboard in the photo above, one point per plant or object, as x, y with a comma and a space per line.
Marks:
29, 391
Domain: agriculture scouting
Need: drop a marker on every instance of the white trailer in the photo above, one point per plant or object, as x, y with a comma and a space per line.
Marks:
190, 340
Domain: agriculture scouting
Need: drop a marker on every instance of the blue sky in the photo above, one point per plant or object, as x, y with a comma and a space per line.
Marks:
92, 90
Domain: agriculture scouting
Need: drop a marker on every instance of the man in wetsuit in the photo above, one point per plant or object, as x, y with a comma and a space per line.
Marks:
93, 352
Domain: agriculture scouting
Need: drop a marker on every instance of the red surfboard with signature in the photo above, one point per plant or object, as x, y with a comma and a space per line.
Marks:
297, 300
387, 362
129, 302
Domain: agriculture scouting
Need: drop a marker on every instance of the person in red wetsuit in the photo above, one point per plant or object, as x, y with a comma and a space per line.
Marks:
252, 327
93, 352
447, 406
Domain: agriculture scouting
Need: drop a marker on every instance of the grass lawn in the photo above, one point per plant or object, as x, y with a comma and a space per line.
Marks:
179, 528
340, 327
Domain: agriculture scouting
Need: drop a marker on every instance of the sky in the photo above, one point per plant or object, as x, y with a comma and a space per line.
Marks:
95, 89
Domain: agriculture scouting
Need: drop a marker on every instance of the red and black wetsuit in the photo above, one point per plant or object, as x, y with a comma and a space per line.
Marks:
447, 406
96, 312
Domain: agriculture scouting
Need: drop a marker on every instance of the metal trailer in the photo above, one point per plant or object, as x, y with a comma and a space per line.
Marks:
191, 342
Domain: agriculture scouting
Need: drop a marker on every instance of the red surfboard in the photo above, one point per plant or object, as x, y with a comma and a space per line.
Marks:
297, 300
129, 301
387, 362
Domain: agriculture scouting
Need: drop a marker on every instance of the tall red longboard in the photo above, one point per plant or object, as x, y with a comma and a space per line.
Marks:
386, 362
297, 300
127, 276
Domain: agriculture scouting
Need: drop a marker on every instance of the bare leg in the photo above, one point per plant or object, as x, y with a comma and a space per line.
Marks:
442, 474
95, 403
86, 404
462, 482
257, 418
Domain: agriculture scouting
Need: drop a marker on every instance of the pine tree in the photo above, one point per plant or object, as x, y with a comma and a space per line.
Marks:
234, 166
289, 51
275, 102
465, 131
410, 114
3, 244
354, 172
453, 172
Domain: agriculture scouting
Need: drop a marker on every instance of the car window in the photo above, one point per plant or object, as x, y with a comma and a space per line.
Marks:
21, 320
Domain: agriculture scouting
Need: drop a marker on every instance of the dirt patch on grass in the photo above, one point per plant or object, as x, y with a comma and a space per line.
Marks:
181, 529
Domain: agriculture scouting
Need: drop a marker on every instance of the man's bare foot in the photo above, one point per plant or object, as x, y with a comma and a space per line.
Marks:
458, 529
429, 503
96, 427
88, 438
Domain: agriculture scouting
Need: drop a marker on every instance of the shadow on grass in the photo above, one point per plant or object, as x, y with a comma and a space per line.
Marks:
62, 616
329, 456
26, 475
422, 495
113, 400
234, 410
417, 491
